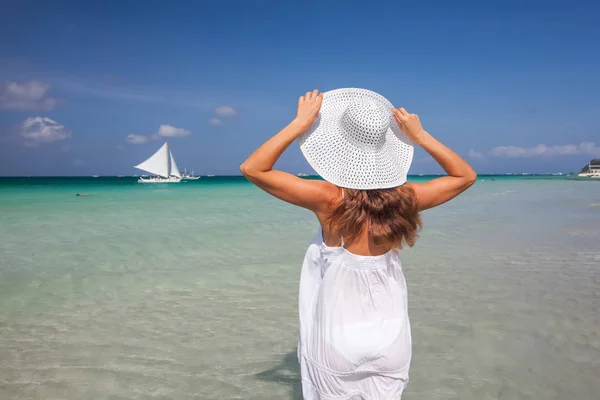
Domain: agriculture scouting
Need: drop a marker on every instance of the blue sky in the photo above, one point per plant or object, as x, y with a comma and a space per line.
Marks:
96, 88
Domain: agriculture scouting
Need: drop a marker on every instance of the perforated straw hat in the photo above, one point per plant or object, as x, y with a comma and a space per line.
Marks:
356, 143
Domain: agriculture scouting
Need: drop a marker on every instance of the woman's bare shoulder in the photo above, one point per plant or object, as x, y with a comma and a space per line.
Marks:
329, 191
329, 194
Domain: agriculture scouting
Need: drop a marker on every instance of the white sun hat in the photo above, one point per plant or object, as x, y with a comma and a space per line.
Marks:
356, 143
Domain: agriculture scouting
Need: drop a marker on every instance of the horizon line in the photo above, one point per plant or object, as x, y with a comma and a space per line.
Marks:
302, 176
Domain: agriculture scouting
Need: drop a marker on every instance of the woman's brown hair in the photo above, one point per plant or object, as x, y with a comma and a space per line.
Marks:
392, 215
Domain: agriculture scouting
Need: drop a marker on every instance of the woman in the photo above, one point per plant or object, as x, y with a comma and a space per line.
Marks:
355, 340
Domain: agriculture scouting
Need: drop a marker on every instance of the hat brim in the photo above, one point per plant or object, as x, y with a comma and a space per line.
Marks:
342, 163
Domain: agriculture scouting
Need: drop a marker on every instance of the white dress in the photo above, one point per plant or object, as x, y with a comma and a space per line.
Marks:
355, 340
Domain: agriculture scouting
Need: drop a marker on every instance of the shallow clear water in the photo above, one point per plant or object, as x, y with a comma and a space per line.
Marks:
189, 291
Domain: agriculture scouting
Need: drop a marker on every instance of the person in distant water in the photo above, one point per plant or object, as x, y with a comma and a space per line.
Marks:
355, 338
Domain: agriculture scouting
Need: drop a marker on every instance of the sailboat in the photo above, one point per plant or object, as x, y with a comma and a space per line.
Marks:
162, 164
189, 176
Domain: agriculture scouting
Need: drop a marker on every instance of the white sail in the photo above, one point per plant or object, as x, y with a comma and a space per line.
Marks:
158, 163
174, 169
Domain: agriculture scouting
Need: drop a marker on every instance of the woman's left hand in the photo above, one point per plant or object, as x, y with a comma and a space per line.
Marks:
308, 109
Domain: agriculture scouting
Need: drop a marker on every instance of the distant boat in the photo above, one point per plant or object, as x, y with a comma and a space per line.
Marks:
592, 170
302, 174
188, 176
162, 165
95, 176
210, 176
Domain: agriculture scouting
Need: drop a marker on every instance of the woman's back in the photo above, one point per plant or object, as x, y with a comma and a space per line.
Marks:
370, 222
363, 245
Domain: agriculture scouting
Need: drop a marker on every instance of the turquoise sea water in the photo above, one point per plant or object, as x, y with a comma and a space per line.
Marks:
189, 291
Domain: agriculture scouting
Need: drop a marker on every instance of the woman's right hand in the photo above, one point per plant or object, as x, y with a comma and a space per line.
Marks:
409, 124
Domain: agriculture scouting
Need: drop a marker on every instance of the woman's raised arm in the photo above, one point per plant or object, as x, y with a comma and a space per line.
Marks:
258, 168
440, 190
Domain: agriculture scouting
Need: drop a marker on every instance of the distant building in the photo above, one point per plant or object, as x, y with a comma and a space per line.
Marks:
592, 170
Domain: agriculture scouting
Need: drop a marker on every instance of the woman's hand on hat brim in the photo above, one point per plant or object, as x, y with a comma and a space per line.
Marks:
309, 106
409, 124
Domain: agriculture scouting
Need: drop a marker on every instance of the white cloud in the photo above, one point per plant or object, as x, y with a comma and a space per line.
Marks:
171, 131
541, 150
164, 131
215, 121
42, 130
475, 155
225, 111
28, 96
137, 139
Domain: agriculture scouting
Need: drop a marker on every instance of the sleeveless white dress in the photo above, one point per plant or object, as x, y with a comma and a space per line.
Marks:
355, 340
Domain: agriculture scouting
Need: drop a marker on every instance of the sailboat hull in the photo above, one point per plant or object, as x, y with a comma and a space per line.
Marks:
171, 179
